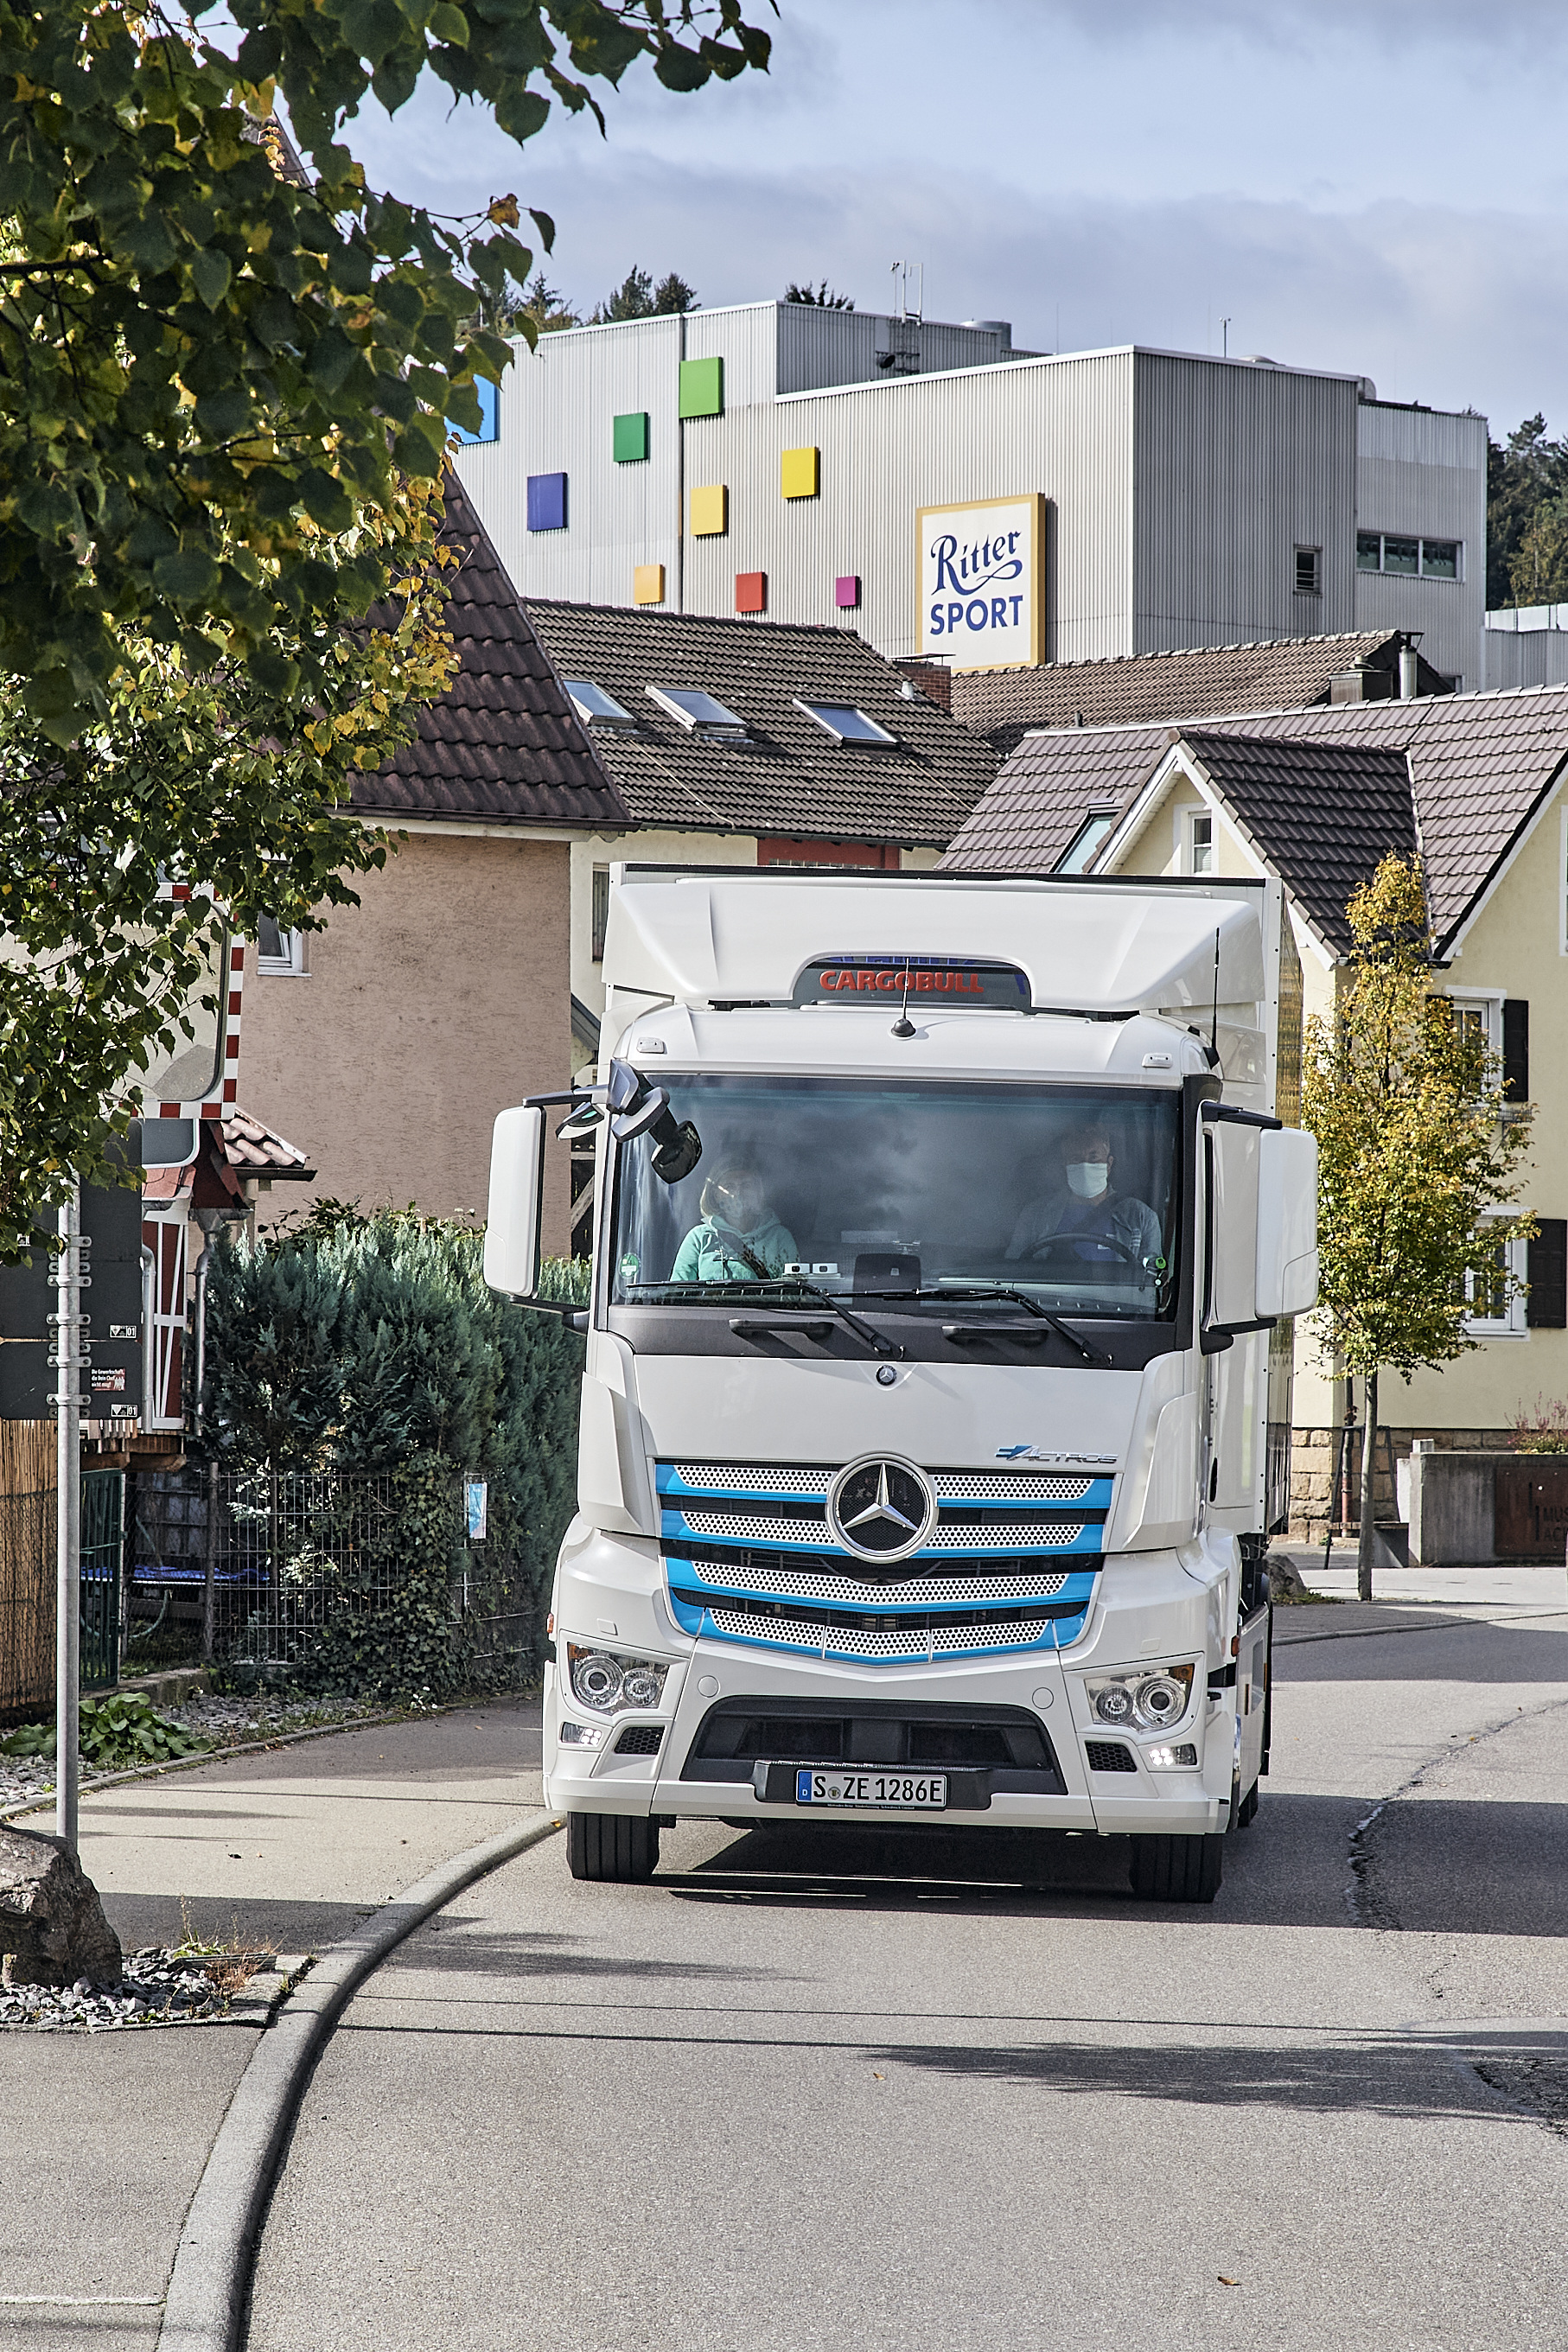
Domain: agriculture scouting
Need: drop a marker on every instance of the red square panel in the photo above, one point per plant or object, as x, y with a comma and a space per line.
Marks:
750, 592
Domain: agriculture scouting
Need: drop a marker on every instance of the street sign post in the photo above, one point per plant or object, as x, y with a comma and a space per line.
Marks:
69, 1358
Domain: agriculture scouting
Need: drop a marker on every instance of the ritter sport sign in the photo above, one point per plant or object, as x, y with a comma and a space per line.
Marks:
981, 582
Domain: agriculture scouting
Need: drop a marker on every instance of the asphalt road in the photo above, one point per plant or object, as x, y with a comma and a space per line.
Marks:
812, 2092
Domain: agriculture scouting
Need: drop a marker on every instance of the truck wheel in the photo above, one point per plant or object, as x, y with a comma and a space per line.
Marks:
612, 1846
1177, 1869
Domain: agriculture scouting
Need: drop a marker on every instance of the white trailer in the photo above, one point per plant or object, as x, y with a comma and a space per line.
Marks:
936, 1408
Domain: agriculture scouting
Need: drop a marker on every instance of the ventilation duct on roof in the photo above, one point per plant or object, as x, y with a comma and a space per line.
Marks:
1362, 682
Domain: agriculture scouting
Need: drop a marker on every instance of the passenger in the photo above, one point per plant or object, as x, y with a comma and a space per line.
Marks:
1087, 1219
739, 1239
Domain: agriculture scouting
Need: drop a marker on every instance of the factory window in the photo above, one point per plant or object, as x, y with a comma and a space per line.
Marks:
1434, 559
1074, 859
699, 713
279, 954
1309, 570
594, 706
601, 909
848, 725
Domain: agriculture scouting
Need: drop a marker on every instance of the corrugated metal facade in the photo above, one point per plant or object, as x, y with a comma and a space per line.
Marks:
1235, 467
1177, 487
1423, 472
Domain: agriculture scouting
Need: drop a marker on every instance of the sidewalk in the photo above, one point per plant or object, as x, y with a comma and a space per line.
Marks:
106, 2134
1457, 1587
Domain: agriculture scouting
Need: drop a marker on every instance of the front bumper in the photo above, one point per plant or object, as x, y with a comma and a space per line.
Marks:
1164, 1606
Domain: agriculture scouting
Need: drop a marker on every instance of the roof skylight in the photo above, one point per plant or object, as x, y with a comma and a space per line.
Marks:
594, 706
700, 713
848, 726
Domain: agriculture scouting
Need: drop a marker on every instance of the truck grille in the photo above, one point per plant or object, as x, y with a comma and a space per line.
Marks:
749, 1557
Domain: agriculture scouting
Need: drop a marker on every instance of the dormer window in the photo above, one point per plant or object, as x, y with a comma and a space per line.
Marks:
1080, 849
847, 726
699, 713
594, 706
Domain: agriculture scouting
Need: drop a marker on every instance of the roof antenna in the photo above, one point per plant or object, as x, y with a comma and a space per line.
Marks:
1213, 1022
903, 1026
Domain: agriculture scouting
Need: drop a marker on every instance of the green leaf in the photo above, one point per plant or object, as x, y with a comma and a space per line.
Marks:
186, 577
211, 274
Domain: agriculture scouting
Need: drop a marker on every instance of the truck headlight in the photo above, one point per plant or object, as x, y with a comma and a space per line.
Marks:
610, 1684
1148, 1700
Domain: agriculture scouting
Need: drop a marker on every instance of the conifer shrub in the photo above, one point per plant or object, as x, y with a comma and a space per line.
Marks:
367, 1353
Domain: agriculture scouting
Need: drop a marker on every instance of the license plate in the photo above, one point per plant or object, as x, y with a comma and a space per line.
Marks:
903, 1791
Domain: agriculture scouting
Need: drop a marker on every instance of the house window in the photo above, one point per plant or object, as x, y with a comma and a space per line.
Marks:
847, 726
699, 713
1200, 841
594, 706
1434, 559
1080, 849
601, 909
1309, 570
1563, 887
1479, 1017
279, 953
1495, 1288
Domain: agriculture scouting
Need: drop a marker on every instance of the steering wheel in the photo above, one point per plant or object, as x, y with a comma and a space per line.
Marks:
1076, 1242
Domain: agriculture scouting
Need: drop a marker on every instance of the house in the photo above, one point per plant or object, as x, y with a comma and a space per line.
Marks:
1478, 784
467, 975
1281, 673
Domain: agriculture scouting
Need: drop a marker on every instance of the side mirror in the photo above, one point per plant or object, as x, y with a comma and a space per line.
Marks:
1232, 1175
1287, 1280
516, 1205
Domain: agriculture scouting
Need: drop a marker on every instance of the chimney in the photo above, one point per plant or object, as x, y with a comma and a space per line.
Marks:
933, 679
1362, 682
1408, 686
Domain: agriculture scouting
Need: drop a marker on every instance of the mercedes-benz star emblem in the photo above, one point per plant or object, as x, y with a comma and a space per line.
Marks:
881, 1510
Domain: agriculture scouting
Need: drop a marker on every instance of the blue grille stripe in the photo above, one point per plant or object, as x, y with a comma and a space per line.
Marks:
701, 1573
675, 1531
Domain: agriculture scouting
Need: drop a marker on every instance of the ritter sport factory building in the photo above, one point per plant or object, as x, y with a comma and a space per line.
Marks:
952, 498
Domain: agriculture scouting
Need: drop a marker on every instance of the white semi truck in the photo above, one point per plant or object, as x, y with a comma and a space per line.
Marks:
936, 1406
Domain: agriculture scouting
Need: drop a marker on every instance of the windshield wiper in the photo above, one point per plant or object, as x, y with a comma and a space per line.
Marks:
1031, 1306
694, 1293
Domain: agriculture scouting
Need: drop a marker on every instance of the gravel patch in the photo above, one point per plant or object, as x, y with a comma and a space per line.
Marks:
159, 1987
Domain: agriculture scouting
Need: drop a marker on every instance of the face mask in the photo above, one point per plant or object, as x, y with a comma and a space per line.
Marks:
1087, 1179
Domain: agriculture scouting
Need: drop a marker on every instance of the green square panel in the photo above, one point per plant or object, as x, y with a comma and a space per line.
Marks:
631, 438
702, 387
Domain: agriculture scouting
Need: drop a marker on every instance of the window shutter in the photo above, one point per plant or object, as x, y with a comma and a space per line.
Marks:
1547, 1275
1516, 1049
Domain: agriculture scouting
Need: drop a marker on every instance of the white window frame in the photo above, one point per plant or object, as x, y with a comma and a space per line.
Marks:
1563, 886
1481, 1000
1512, 1326
291, 964
1186, 816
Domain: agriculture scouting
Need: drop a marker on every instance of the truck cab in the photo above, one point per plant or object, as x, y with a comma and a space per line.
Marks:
935, 1412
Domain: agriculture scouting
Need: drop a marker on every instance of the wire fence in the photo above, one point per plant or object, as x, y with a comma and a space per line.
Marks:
291, 1576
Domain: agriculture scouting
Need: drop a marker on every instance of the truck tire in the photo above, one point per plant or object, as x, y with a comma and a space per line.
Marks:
1177, 1869
612, 1846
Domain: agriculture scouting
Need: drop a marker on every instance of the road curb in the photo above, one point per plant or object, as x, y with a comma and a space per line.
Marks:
211, 2277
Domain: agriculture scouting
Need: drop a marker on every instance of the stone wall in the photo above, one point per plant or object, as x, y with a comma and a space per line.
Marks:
1314, 1455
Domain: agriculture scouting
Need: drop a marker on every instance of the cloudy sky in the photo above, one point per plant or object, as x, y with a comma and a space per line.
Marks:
1377, 186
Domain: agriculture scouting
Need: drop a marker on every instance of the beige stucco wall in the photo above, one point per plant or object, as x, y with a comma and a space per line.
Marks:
1514, 945
423, 1011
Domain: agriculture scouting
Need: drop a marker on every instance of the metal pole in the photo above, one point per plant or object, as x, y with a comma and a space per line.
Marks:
68, 1358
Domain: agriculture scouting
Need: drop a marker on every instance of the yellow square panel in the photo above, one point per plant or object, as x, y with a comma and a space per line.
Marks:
710, 511
648, 583
798, 473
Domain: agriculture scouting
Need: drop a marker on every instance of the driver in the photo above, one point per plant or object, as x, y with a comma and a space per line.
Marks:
739, 1239
1087, 1219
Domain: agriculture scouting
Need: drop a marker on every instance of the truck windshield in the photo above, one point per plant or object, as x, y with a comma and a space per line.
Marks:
1069, 1194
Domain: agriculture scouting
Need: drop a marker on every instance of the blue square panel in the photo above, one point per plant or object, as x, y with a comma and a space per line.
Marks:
547, 501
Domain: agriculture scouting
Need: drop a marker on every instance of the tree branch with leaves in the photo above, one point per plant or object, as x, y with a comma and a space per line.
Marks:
1406, 1099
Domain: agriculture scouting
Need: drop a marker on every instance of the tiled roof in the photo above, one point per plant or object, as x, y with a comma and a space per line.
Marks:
1480, 765
1321, 813
503, 742
256, 1150
1204, 682
788, 778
